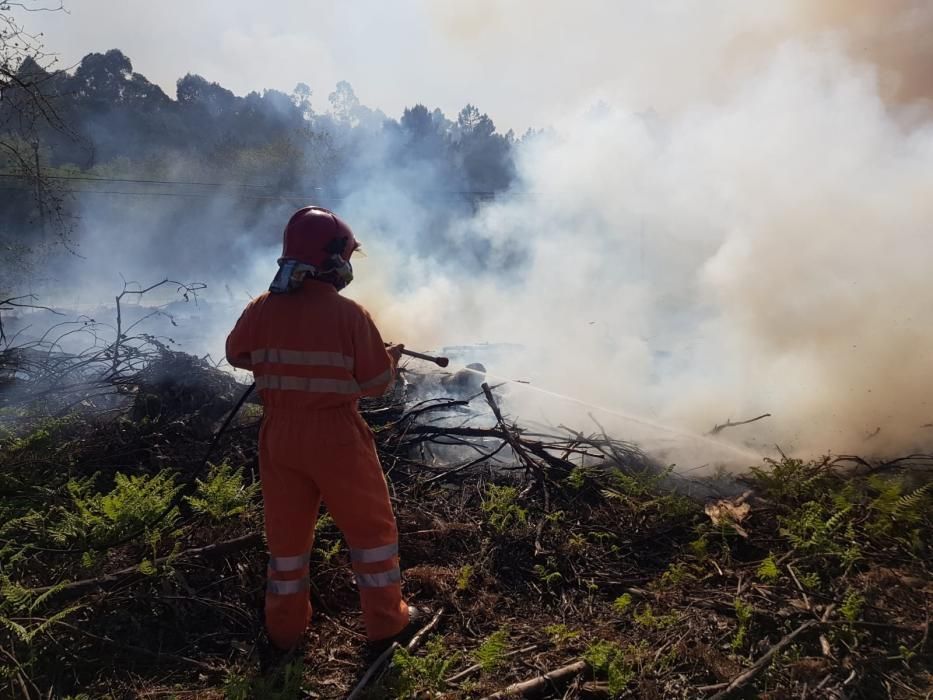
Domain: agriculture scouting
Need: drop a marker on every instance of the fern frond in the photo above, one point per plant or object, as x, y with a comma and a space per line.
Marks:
910, 502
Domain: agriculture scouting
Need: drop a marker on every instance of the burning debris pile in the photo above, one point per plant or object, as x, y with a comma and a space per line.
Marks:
559, 563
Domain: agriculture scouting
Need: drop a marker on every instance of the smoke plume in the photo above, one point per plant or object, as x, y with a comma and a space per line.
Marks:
761, 247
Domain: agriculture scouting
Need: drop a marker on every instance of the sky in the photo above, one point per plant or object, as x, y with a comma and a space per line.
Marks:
522, 62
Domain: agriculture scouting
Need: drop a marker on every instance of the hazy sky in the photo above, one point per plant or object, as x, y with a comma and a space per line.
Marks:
522, 62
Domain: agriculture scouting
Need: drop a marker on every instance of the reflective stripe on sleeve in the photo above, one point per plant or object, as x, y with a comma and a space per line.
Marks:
302, 357
378, 380
380, 580
309, 384
368, 556
289, 563
287, 587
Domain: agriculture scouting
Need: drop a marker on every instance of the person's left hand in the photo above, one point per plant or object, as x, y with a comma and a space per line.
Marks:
395, 352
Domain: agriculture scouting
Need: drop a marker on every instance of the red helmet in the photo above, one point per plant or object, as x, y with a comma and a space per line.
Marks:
314, 235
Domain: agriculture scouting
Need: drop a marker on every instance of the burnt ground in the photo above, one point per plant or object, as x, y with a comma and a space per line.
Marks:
560, 551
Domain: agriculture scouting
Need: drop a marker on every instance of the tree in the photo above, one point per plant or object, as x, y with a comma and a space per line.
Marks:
26, 110
344, 103
301, 98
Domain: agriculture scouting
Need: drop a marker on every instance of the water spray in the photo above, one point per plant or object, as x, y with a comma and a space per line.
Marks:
638, 420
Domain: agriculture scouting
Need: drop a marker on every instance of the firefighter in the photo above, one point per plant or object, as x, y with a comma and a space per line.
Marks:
313, 354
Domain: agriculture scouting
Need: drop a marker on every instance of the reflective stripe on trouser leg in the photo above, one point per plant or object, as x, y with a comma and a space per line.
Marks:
379, 583
290, 587
379, 580
288, 606
374, 554
295, 563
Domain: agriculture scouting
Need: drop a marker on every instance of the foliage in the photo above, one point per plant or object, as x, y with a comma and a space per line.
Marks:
548, 573
768, 570
329, 552
622, 604
286, 683
851, 608
223, 494
413, 674
133, 503
502, 513
464, 576
791, 480
676, 575
491, 653
609, 660
560, 634
743, 612
577, 477
645, 617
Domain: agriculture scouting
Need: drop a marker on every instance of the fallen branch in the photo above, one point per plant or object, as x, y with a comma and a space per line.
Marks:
761, 664
79, 588
540, 683
477, 667
516, 446
729, 424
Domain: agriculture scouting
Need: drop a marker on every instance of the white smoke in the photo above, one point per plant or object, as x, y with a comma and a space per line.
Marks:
766, 250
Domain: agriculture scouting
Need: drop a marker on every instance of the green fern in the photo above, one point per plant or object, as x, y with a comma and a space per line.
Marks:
610, 660
560, 634
135, 502
743, 612
491, 653
464, 576
622, 604
28, 634
910, 506
768, 570
502, 513
412, 674
223, 494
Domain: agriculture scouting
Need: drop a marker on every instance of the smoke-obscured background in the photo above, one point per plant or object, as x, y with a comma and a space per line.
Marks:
721, 209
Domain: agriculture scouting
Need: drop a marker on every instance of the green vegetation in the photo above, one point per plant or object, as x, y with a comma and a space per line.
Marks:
464, 576
743, 612
491, 653
560, 634
223, 494
622, 604
768, 571
286, 683
133, 504
609, 660
412, 674
502, 512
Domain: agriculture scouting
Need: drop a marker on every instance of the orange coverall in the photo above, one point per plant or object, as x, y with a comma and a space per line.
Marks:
313, 353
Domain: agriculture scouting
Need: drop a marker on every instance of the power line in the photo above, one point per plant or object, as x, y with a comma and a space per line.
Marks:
489, 194
94, 178
183, 195
288, 196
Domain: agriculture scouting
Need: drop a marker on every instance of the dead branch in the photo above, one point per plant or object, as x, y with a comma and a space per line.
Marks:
530, 464
538, 684
79, 588
477, 667
762, 663
729, 424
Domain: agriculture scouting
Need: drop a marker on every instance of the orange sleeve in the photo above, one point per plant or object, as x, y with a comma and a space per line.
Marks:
372, 366
239, 345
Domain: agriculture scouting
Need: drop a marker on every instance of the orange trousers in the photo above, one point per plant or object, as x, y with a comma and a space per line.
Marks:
329, 454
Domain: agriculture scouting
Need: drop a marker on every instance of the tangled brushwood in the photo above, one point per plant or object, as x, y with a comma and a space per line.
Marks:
561, 564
